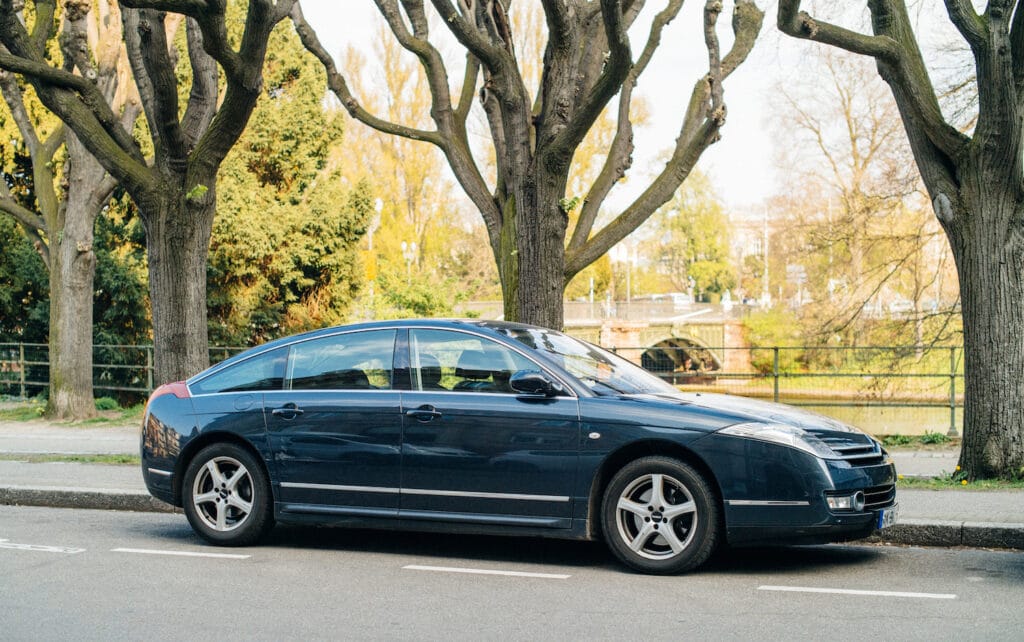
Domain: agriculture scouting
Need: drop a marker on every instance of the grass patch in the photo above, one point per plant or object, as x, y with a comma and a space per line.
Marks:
108, 460
117, 417
23, 412
927, 441
110, 414
953, 482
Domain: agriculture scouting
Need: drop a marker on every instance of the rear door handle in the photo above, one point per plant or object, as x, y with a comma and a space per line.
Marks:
288, 411
424, 413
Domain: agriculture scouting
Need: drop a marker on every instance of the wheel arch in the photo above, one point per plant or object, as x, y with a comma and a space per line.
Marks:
618, 459
196, 445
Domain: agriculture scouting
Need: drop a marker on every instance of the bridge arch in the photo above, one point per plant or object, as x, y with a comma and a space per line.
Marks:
680, 355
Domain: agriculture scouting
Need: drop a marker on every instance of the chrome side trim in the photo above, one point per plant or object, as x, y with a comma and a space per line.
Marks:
461, 493
424, 491
751, 502
157, 471
350, 489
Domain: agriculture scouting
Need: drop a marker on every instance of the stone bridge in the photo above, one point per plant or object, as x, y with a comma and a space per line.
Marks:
667, 345
662, 337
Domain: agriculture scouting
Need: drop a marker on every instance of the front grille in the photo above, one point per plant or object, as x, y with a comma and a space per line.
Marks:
879, 496
856, 448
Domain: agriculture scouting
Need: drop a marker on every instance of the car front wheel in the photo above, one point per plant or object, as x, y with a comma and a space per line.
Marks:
227, 496
660, 516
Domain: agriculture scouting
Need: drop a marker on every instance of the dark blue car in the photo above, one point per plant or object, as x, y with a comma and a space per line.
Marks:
493, 427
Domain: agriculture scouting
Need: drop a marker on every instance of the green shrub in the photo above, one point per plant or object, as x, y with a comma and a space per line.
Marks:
934, 438
896, 440
106, 403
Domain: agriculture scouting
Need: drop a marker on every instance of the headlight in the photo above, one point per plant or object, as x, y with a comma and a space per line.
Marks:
783, 435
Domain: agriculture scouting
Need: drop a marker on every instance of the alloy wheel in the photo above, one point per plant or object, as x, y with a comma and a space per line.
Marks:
656, 516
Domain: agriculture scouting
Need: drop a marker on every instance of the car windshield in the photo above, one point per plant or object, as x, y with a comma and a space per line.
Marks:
603, 372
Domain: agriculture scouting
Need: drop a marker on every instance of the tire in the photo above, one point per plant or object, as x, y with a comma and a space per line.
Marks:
666, 537
226, 496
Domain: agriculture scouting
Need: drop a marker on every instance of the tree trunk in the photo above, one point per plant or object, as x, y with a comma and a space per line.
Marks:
72, 274
178, 228
72, 269
541, 246
989, 255
531, 257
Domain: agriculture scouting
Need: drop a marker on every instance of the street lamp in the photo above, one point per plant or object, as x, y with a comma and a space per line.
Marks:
409, 252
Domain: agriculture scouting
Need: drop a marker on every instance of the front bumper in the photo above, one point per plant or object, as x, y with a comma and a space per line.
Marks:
774, 494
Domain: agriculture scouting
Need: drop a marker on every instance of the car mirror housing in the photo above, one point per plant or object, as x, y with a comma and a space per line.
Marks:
534, 382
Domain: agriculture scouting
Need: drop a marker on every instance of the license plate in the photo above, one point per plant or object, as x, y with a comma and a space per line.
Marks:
887, 516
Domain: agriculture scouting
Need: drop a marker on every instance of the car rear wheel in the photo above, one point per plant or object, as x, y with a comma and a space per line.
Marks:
227, 496
660, 516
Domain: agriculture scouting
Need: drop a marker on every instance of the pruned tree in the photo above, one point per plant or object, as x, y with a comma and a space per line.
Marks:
175, 189
70, 189
976, 185
587, 62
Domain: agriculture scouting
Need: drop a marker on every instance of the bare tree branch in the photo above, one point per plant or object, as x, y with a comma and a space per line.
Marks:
339, 86
23, 215
20, 57
700, 129
1017, 45
16, 103
800, 24
897, 51
619, 157
202, 100
617, 66
453, 144
967, 21
469, 81
210, 16
43, 28
558, 22
494, 58
153, 54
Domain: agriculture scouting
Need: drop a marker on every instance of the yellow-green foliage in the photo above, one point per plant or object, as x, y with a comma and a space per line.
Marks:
283, 253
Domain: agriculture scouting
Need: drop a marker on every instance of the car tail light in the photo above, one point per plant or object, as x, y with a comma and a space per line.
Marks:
178, 389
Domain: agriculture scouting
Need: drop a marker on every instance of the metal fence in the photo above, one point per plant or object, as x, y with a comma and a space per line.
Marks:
119, 369
929, 378
825, 378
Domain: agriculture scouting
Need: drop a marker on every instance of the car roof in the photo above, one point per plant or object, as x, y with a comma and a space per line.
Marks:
493, 328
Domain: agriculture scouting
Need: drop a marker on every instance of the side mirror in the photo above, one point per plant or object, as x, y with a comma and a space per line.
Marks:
533, 382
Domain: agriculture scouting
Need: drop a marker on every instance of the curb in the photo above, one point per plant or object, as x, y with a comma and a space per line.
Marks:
908, 532
98, 499
922, 532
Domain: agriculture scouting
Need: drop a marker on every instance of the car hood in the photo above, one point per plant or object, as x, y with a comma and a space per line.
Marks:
745, 409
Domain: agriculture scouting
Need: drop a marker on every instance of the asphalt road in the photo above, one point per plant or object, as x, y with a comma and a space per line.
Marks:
106, 575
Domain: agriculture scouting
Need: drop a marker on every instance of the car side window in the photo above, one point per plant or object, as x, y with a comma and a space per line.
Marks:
262, 372
351, 361
453, 361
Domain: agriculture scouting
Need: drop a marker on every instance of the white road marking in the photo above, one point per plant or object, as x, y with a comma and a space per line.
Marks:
482, 571
806, 589
39, 548
144, 551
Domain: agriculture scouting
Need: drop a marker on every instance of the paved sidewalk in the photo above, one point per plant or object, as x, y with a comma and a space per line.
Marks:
37, 437
927, 517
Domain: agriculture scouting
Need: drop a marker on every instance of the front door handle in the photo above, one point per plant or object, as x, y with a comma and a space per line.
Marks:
424, 413
288, 411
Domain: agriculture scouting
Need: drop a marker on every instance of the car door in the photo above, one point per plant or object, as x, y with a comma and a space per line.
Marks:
474, 450
335, 429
